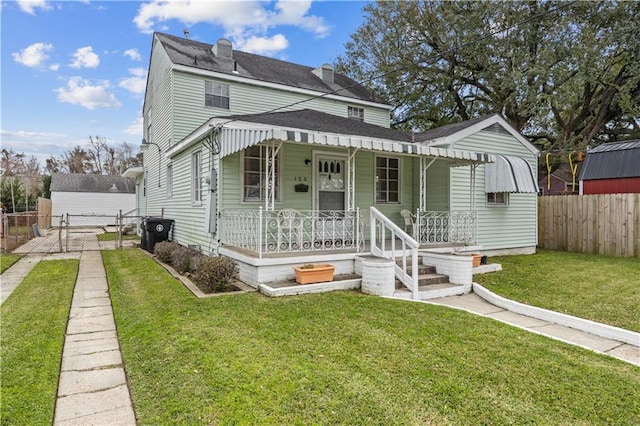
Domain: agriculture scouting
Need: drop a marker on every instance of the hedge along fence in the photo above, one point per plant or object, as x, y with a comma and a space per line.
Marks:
607, 224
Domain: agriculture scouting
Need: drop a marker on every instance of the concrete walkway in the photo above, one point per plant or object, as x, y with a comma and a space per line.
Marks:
15, 274
92, 387
625, 348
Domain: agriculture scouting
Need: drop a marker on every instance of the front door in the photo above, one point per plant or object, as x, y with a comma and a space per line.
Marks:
330, 183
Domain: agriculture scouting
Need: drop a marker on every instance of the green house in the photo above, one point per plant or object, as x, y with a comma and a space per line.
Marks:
274, 164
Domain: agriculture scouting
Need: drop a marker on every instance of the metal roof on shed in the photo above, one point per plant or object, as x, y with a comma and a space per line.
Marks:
612, 160
77, 182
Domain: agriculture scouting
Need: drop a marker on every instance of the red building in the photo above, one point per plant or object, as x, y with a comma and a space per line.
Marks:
612, 168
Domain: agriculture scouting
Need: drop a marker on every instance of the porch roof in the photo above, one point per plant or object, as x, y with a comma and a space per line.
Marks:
236, 133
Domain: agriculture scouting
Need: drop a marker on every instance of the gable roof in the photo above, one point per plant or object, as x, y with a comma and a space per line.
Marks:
78, 182
452, 133
198, 55
612, 160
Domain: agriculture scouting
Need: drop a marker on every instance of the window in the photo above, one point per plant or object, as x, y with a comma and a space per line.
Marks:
355, 113
196, 177
255, 174
387, 180
169, 181
497, 198
216, 94
149, 128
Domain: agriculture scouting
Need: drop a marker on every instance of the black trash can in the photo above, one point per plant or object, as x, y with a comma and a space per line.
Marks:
154, 230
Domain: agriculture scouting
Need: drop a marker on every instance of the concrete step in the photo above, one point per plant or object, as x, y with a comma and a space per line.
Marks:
428, 279
434, 291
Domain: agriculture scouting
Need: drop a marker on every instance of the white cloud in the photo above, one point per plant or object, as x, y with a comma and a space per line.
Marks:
263, 45
243, 21
137, 83
133, 54
85, 58
34, 55
136, 127
82, 92
54, 67
29, 6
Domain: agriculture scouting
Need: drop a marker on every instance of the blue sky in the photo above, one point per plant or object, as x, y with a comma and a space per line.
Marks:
72, 69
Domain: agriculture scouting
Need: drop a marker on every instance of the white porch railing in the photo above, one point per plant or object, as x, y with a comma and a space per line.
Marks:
445, 227
291, 231
385, 245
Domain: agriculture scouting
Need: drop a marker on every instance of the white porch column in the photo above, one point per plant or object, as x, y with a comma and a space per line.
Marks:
351, 179
273, 147
424, 165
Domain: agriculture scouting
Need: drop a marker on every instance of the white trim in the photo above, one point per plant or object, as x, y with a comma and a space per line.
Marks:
315, 155
278, 86
456, 137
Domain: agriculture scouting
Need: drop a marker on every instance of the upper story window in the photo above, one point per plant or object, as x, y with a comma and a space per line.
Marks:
216, 94
387, 180
255, 174
497, 198
149, 128
196, 177
356, 113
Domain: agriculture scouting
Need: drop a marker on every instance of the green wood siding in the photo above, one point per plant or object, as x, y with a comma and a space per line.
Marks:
190, 110
499, 227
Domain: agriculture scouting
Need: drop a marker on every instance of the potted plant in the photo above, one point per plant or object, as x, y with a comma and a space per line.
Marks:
314, 273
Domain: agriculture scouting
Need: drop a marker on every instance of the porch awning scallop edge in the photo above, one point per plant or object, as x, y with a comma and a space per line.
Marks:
509, 174
239, 136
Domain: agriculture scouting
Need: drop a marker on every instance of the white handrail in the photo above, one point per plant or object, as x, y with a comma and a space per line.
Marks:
409, 247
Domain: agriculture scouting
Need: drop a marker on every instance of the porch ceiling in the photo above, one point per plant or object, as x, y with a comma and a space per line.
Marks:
235, 134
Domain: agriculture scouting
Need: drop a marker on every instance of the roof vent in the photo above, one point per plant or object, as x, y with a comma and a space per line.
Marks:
222, 49
325, 73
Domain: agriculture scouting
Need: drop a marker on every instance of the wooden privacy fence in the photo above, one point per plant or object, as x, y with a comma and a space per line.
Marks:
606, 224
44, 213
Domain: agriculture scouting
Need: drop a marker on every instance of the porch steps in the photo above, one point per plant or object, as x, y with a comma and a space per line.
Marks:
433, 291
431, 285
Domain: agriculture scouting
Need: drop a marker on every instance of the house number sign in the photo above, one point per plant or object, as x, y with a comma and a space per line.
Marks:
300, 179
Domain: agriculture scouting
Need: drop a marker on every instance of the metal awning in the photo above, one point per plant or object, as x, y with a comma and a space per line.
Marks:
237, 136
509, 174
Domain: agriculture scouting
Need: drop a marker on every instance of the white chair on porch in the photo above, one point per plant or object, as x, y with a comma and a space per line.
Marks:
409, 221
290, 228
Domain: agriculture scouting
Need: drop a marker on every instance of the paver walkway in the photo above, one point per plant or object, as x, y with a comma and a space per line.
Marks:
475, 304
92, 388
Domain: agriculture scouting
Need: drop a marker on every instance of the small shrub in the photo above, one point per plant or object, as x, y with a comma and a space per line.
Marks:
181, 259
216, 274
196, 259
164, 250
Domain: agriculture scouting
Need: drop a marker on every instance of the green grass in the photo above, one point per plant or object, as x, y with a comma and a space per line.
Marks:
6, 260
346, 358
34, 319
599, 288
111, 236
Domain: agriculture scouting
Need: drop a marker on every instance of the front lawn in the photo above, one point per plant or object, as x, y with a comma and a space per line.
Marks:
34, 319
111, 236
6, 260
346, 358
599, 288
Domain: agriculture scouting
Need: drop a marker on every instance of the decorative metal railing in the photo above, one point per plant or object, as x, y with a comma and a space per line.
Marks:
291, 231
295, 231
445, 227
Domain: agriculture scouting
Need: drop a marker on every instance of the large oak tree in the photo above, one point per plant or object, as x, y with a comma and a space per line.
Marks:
564, 74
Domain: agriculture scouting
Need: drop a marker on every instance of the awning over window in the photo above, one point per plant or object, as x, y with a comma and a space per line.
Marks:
509, 174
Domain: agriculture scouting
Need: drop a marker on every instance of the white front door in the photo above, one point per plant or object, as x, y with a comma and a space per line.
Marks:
330, 183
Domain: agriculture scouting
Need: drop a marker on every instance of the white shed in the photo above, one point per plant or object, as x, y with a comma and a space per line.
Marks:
97, 198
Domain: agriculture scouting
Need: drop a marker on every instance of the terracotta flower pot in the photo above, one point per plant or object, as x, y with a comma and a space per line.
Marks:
319, 273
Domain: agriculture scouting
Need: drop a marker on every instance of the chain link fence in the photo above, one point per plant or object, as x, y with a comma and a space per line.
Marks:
18, 228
